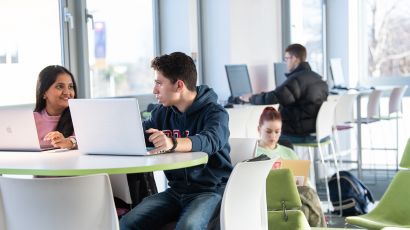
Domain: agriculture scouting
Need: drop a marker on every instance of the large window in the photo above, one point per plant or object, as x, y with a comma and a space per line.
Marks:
388, 24
29, 41
121, 46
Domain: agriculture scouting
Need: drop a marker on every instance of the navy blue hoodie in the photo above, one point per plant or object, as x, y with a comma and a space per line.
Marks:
206, 123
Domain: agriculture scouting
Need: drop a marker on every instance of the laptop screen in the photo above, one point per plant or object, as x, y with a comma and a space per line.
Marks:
238, 79
18, 129
108, 126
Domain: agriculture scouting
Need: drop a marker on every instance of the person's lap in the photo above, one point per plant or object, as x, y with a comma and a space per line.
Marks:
198, 211
192, 211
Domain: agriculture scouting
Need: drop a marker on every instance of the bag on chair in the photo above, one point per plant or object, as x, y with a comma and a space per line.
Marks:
355, 195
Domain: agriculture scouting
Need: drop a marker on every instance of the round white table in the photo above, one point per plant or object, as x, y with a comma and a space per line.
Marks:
73, 162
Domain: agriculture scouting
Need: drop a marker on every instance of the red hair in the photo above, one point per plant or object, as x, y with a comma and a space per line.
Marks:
269, 114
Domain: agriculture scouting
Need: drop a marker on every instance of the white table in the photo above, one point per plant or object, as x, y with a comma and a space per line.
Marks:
70, 163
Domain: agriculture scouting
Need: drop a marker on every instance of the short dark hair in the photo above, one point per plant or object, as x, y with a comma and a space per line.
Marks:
297, 50
177, 66
46, 79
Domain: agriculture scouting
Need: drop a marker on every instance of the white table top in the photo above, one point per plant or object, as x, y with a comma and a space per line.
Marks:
70, 163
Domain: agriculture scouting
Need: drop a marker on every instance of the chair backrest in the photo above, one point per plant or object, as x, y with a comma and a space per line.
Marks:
396, 200
83, 202
242, 149
253, 119
325, 119
405, 160
395, 99
237, 118
344, 108
244, 200
120, 187
281, 195
281, 187
373, 105
244, 120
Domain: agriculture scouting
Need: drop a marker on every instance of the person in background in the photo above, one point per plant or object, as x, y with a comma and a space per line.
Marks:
188, 119
299, 97
270, 128
55, 85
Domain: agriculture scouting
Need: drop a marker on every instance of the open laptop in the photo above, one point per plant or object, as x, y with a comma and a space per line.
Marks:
18, 130
299, 168
108, 126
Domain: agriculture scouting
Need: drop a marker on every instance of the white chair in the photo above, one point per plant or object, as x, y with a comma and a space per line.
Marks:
373, 108
244, 120
242, 149
323, 137
238, 117
344, 115
395, 112
253, 119
64, 203
244, 200
120, 187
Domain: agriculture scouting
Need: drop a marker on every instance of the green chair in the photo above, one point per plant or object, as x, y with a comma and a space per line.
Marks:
405, 160
394, 207
283, 202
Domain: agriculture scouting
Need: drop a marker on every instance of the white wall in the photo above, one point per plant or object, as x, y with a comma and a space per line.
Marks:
241, 32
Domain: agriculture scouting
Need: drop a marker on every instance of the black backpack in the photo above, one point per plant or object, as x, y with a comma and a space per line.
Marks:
355, 195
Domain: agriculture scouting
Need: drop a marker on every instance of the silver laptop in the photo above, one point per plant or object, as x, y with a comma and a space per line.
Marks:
18, 129
108, 126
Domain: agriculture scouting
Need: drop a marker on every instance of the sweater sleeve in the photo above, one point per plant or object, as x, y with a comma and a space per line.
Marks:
267, 98
215, 133
289, 92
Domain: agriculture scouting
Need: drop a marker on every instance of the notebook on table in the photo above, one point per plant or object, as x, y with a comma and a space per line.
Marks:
18, 130
299, 168
108, 126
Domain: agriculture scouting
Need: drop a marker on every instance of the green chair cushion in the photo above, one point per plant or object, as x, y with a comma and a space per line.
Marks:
281, 186
405, 160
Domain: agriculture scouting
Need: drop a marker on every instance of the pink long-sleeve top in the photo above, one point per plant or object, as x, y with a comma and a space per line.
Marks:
45, 124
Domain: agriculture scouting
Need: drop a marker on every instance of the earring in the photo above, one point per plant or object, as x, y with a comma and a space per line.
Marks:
44, 96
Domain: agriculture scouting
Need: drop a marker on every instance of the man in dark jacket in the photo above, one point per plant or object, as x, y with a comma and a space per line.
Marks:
187, 119
300, 96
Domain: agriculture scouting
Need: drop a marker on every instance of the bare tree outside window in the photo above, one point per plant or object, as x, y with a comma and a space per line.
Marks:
388, 25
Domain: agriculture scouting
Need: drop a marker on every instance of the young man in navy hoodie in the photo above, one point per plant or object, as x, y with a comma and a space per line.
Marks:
187, 119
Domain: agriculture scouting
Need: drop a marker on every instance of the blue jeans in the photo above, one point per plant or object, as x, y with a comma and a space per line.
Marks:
191, 211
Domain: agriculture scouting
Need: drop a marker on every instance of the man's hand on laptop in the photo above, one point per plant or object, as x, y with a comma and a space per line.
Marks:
161, 142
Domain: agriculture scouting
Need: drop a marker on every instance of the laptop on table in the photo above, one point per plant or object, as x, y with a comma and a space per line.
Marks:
108, 126
18, 130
